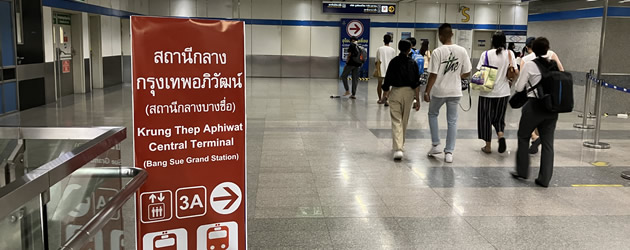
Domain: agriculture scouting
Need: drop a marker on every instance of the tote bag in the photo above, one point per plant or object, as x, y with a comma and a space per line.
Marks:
484, 79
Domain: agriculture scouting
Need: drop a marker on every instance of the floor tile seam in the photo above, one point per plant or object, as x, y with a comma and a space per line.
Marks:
464, 218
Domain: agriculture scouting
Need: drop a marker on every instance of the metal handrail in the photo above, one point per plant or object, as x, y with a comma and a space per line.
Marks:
15, 194
87, 231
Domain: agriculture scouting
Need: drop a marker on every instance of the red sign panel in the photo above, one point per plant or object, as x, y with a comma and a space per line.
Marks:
65, 66
189, 132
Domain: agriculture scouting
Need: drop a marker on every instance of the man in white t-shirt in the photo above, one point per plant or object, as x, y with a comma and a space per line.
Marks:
450, 63
384, 55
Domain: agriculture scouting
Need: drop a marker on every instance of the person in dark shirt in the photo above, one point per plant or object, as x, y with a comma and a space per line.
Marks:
404, 79
351, 67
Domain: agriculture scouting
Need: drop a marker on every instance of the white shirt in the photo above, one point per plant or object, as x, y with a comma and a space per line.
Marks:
502, 62
532, 56
385, 54
449, 62
529, 77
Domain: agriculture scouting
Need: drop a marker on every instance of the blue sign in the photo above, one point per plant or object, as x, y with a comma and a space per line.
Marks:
359, 8
361, 29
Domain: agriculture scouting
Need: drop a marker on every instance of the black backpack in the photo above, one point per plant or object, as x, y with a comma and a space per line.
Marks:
555, 88
361, 55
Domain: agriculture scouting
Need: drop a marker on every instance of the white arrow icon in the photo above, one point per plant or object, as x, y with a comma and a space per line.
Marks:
152, 198
161, 198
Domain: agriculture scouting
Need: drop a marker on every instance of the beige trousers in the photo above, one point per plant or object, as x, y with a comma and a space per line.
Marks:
400, 103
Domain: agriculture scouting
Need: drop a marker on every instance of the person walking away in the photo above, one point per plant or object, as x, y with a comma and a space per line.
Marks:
424, 77
493, 104
533, 148
384, 55
351, 67
424, 51
449, 64
512, 47
413, 42
403, 78
535, 115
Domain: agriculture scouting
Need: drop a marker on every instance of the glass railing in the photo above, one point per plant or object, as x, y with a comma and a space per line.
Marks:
63, 188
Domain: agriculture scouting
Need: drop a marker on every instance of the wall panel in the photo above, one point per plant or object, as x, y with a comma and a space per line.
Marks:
296, 9
159, 7
266, 40
49, 50
328, 47
266, 9
184, 8
428, 12
486, 14
296, 41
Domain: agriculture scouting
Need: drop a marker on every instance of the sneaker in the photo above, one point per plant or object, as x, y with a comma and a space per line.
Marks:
435, 151
398, 155
448, 157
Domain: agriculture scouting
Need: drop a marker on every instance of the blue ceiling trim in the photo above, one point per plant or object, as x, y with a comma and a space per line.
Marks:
88, 8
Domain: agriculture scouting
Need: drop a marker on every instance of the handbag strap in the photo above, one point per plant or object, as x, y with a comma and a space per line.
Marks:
510, 58
486, 63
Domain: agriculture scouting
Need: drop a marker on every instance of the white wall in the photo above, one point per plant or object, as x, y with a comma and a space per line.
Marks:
486, 14
294, 40
49, 51
126, 37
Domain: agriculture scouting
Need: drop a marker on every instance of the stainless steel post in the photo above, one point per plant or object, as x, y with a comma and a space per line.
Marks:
587, 102
598, 101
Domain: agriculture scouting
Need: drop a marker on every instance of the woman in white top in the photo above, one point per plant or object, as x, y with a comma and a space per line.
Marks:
493, 104
424, 51
384, 55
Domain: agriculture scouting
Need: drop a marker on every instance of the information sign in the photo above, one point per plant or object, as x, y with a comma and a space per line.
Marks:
359, 8
189, 132
361, 29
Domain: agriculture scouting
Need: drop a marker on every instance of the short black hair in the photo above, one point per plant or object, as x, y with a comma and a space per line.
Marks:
413, 41
445, 30
354, 38
540, 46
387, 38
529, 41
404, 45
511, 45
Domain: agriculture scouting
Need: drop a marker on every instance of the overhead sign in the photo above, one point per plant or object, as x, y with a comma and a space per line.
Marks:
359, 8
189, 132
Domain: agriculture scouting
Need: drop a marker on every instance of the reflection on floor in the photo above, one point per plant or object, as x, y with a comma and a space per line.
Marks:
320, 175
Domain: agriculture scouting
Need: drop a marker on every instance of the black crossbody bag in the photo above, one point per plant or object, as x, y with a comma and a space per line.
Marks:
519, 99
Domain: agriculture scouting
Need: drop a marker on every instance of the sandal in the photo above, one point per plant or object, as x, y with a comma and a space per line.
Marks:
502, 145
483, 149
380, 101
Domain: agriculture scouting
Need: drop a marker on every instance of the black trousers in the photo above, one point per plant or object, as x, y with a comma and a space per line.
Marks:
491, 113
355, 77
536, 116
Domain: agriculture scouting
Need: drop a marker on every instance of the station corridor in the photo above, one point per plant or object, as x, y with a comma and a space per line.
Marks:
320, 175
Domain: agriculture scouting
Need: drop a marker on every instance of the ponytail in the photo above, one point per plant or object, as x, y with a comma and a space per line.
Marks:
499, 49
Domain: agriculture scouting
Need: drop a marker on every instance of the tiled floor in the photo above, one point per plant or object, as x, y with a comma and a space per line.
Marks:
321, 176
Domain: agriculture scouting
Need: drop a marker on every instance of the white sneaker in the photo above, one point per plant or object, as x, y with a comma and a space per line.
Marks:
434, 151
398, 155
448, 157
